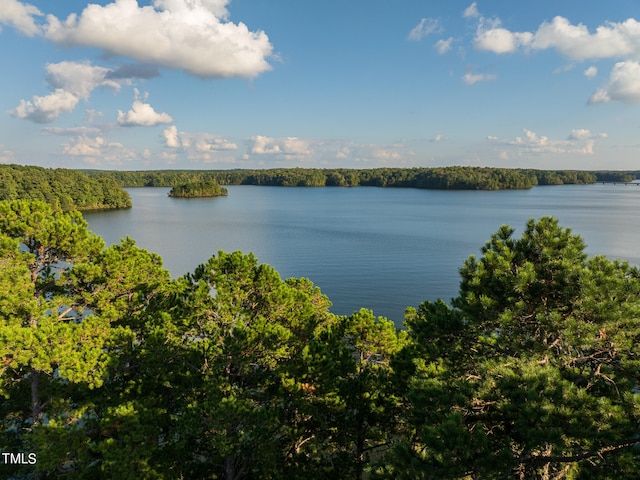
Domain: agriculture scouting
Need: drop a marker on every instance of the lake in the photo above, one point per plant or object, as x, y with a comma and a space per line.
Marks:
379, 248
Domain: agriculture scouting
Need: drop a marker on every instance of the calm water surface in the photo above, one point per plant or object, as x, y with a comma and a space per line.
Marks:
383, 249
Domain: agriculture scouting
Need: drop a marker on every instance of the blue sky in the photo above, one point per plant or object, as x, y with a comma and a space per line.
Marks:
208, 84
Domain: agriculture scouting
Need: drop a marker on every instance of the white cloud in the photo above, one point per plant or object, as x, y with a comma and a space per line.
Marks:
623, 85
471, 11
591, 72
142, 114
576, 42
611, 40
19, 16
46, 109
70, 82
443, 46
619, 40
197, 146
580, 141
585, 134
437, 138
501, 40
97, 150
427, 26
181, 34
471, 78
79, 78
288, 147
171, 138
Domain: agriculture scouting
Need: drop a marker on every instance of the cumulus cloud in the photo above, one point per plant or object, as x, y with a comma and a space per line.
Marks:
437, 138
288, 147
142, 114
591, 72
96, 150
46, 109
190, 35
623, 85
171, 138
70, 82
501, 40
19, 16
576, 42
79, 78
196, 146
426, 27
614, 40
611, 40
579, 141
443, 46
471, 78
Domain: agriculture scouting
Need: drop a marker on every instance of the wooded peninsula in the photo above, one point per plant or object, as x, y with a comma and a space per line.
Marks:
62, 188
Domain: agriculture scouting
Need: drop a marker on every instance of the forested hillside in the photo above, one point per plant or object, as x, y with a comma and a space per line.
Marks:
453, 178
111, 369
62, 188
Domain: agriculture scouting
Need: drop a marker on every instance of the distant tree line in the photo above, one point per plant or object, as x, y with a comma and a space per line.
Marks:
446, 178
111, 369
63, 189
198, 189
612, 176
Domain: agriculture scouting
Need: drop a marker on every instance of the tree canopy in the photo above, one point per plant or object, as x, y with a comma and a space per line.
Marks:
63, 189
111, 369
449, 178
198, 189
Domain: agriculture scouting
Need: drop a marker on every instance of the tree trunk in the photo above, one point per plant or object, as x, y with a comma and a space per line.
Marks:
36, 406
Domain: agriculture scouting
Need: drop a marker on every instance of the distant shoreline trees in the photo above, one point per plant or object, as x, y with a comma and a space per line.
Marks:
443, 178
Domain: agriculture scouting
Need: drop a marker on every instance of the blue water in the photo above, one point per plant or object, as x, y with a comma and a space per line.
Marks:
383, 249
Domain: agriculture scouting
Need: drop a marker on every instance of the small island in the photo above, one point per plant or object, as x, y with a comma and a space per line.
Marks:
198, 190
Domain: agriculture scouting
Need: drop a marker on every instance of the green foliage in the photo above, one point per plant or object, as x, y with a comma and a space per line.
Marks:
62, 189
111, 369
447, 178
67, 314
198, 189
539, 373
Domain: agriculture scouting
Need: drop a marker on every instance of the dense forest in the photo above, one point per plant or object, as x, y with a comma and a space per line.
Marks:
111, 369
198, 189
460, 178
64, 189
